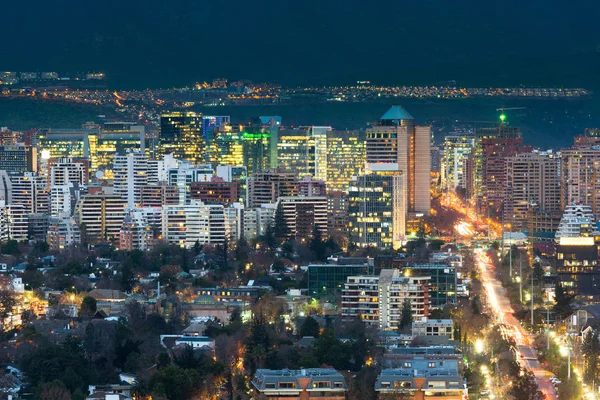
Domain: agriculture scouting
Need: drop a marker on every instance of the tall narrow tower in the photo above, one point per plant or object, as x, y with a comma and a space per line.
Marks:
397, 143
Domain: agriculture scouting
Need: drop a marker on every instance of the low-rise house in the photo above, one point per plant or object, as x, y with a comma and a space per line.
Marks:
313, 383
433, 327
423, 378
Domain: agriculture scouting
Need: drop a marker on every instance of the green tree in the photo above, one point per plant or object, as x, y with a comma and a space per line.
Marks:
310, 327
176, 383
55, 390
281, 230
526, 388
163, 360
88, 307
317, 246
562, 307
591, 351
436, 244
406, 319
10, 247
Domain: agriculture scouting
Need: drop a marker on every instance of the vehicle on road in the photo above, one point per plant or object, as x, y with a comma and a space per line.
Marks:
484, 393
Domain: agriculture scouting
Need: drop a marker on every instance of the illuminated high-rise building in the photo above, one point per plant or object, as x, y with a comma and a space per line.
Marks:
101, 214
377, 210
228, 147
117, 138
271, 125
303, 215
303, 151
580, 177
346, 155
398, 144
255, 147
67, 170
455, 149
70, 143
16, 158
130, 176
181, 135
533, 187
577, 253
266, 187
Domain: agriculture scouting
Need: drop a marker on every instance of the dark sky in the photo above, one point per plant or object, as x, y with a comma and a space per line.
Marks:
160, 43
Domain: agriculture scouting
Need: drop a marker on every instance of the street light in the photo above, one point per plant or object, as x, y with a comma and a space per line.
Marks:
479, 346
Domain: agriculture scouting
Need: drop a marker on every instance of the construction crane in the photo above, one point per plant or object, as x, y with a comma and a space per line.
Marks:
502, 109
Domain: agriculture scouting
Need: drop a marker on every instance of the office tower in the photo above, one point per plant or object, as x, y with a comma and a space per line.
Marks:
580, 177
228, 147
577, 253
303, 151
325, 279
70, 143
346, 155
13, 222
304, 215
456, 149
337, 214
397, 143
131, 175
210, 125
533, 186
18, 158
9, 138
117, 137
100, 216
136, 232
271, 125
158, 195
267, 186
377, 210
184, 225
255, 149
62, 233
257, 220
394, 290
308, 186
215, 191
181, 135
68, 170
495, 152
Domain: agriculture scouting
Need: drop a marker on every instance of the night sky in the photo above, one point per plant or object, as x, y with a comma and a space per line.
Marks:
160, 43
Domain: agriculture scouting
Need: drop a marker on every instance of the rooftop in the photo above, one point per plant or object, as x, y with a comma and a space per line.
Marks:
395, 113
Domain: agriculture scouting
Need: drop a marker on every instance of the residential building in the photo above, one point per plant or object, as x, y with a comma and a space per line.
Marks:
136, 232
308, 186
394, 290
360, 298
101, 214
184, 225
13, 222
257, 220
62, 233
456, 148
337, 214
442, 286
158, 195
215, 191
532, 186
317, 383
433, 327
267, 186
130, 176
580, 177
63, 171
420, 378
302, 215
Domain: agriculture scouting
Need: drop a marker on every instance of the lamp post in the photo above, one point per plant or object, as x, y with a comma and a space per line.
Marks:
521, 278
532, 301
